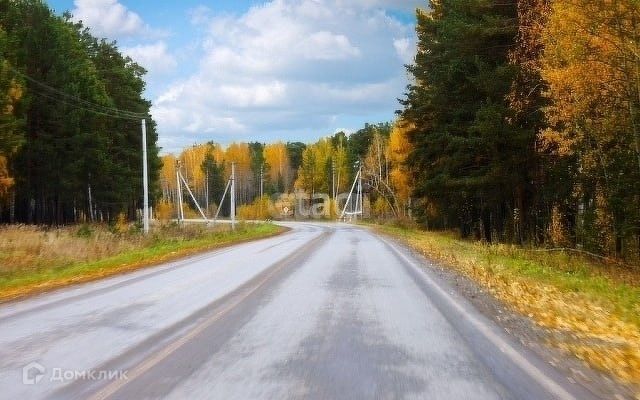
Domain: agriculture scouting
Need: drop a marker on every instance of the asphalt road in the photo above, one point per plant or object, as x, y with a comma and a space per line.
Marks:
325, 311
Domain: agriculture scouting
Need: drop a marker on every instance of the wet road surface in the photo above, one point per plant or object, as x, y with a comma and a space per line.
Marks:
325, 311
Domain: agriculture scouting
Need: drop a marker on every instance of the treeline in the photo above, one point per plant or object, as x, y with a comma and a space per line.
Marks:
524, 121
70, 121
327, 166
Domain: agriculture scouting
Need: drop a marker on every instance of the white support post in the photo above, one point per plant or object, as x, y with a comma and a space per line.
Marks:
356, 208
206, 188
233, 196
193, 197
360, 194
344, 210
226, 189
145, 178
261, 188
333, 179
179, 193
261, 181
91, 214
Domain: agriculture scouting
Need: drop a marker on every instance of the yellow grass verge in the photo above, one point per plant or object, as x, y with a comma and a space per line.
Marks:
34, 260
588, 312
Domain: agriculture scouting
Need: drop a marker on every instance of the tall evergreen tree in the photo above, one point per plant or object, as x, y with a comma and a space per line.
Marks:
214, 174
467, 155
295, 150
80, 157
258, 165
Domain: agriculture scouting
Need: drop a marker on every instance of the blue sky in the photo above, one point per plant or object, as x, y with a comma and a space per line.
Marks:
239, 70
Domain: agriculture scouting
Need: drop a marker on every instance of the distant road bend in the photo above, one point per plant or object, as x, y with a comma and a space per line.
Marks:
325, 311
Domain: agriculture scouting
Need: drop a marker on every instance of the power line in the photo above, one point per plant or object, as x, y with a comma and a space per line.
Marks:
88, 105
76, 98
94, 111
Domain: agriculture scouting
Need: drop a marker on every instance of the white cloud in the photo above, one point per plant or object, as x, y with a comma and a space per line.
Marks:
344, 130
199, 15
288, 70
406, 49
108, 18
404, 5
153, 57
333, 47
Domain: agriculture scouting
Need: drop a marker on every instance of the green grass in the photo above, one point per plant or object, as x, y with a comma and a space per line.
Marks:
130, 252
613, 285
589, 308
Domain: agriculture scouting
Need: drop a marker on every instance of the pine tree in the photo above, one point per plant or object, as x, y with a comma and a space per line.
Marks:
467, 156
214, 173
75, 144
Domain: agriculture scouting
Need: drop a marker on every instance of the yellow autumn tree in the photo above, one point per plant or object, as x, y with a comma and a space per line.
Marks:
375, 171
217, 150
279, 170
314, 175
6, 181
166, 209
341, 160
307, 171
591, 64
397, 153
240, 154
375, 162
191, 160
11, 92
168, 176
323, 155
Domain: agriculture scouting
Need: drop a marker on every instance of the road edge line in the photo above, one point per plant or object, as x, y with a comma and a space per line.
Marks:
549, 384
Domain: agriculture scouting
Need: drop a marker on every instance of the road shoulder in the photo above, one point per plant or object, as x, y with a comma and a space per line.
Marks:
44, 281
519, 327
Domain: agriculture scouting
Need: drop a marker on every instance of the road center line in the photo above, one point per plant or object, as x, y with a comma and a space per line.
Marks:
155, 359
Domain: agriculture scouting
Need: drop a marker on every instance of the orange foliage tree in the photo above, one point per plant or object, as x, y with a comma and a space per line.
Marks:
279, 170
591, 64
11, 92
240, 155
400, 175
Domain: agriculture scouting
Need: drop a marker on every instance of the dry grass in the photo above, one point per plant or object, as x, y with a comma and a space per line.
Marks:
35, 259
590, 309
24, 248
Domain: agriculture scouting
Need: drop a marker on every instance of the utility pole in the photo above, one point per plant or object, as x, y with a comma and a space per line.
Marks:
261, 181
349, 201
332, 204
337, 180
179, 192
91, 216
360, 197
333, 179
379, 160
356, 183
145, 178
206, 186
233, 196
261, 187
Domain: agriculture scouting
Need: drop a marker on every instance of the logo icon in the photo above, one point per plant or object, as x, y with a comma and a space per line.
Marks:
32, 373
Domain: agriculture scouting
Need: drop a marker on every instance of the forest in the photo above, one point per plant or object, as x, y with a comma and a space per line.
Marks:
71, 107
520, 124
327, 166
528, 131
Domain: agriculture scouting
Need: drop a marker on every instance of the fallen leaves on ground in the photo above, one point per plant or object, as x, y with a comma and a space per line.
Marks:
589, 328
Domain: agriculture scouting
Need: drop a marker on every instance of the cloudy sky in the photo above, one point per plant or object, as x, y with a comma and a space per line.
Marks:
231, 70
